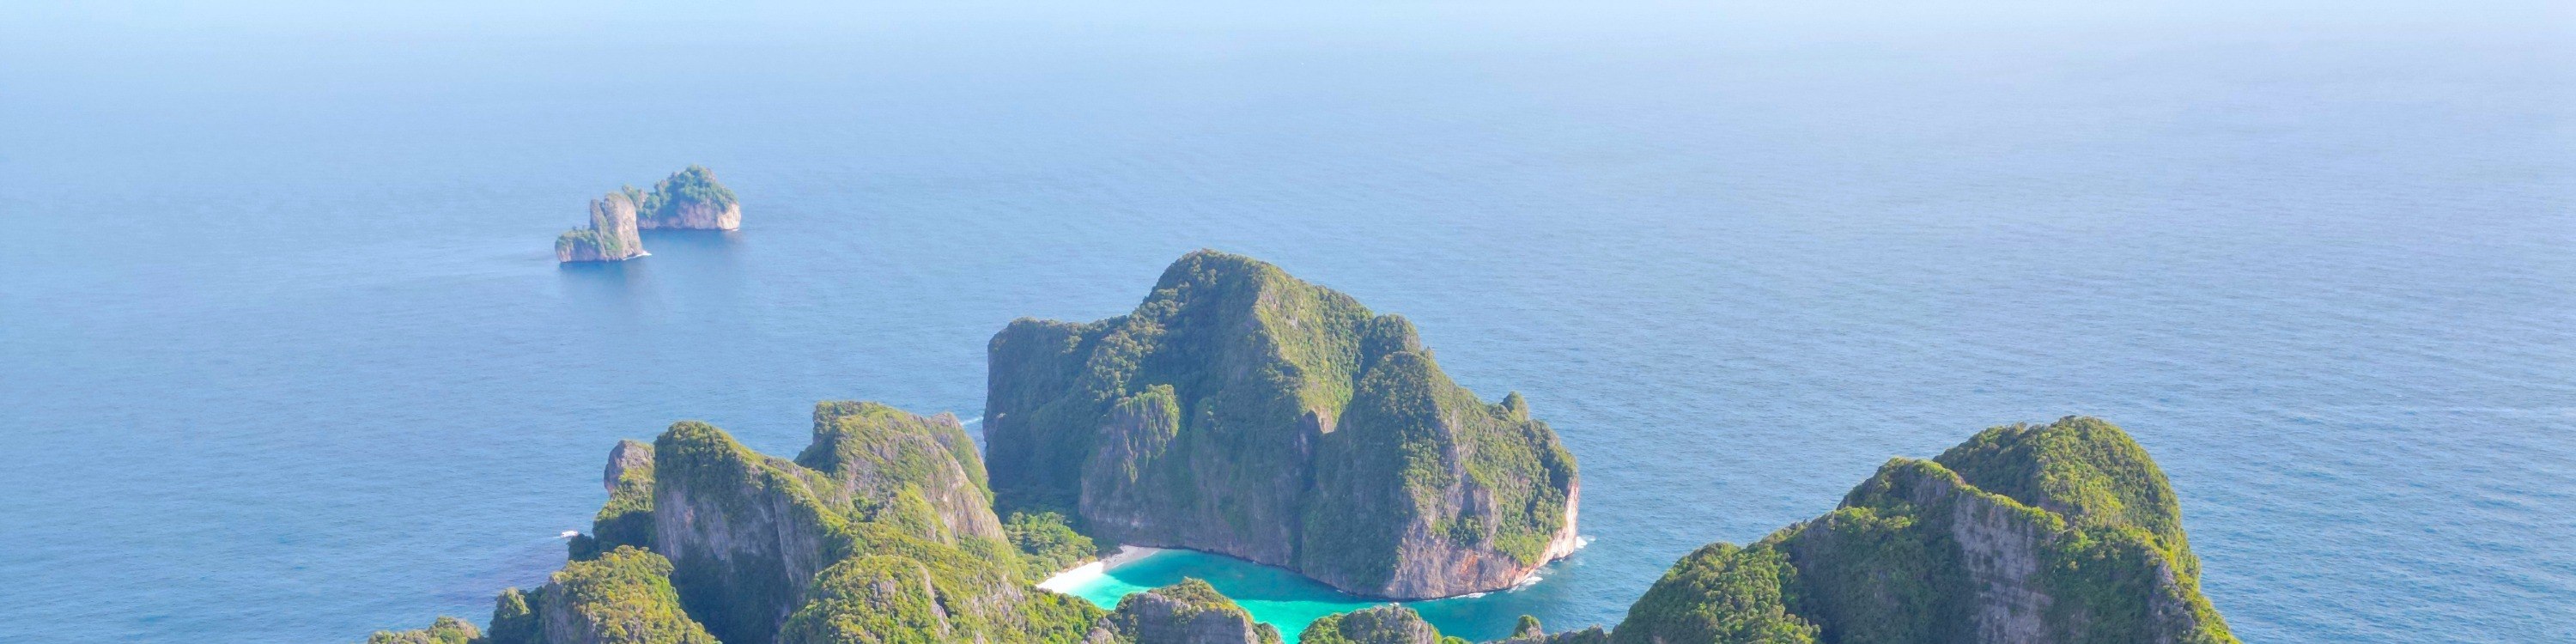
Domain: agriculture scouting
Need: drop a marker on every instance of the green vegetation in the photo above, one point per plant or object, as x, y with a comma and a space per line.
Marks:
623, 597
627, 518
870, 599
694, 185
514, 619
897, 467
610, 237
1189, 612
1048, 543
1721, 594
1389, 624
866, 505
2076, 513
1241, 410
445, 630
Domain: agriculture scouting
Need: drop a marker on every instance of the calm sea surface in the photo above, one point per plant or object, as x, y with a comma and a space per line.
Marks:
284, 356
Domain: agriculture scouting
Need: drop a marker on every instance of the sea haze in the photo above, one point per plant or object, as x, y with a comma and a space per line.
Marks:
284, 356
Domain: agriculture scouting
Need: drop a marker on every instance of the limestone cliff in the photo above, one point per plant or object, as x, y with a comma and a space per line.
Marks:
1240, 410
877, 455
820, 545
690, 199
2025, 534
611, 237
1190, 612
745, 531
627, 518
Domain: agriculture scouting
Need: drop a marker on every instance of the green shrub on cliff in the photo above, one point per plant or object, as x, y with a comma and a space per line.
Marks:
1721, 594
695, 184
1390, 624
514, 619
1189, 612
2077, 516
1048, 543
627, 518
445, 630
623, 597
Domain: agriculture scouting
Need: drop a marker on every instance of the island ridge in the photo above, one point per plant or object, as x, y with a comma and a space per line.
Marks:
1233, 381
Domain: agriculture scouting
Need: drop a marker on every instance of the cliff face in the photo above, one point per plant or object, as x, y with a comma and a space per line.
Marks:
2058, 533
611, 236
622, 597
880, 456
1240, 410
829, 547
745, 531
691, 199
627, 518
1190, 612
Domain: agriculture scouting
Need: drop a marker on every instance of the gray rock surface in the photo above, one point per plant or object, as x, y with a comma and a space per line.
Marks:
611, 237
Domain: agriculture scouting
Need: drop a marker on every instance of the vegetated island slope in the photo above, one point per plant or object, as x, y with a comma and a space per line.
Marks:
883, 529
688, 199
1242, 411
2065, 532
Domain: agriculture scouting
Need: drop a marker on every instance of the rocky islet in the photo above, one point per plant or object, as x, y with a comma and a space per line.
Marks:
690, 199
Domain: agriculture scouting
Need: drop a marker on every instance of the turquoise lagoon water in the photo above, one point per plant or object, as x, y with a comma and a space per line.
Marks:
1274, 596
284, 356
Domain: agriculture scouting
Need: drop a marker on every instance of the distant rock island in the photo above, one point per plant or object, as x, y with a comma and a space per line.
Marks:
1213, 403
690, 199
611, 237
1242, 411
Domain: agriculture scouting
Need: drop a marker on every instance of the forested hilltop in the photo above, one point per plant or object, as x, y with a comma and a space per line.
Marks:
1243, 411
690, 199
2064, 532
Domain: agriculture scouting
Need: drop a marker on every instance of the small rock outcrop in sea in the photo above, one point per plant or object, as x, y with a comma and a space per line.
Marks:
1529, 632
2066, 532
690, 199
611, 237
1190, 612
445, 630
1242, 411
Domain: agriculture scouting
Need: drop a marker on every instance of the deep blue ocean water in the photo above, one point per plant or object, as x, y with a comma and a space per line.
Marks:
284, 356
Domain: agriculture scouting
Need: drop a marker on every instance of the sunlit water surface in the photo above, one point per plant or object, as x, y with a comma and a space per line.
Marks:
284, 358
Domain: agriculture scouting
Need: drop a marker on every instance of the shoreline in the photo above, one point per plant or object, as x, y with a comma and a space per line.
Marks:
1066, 580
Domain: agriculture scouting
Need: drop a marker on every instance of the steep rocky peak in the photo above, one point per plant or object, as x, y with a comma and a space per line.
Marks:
627, 456
885, 457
